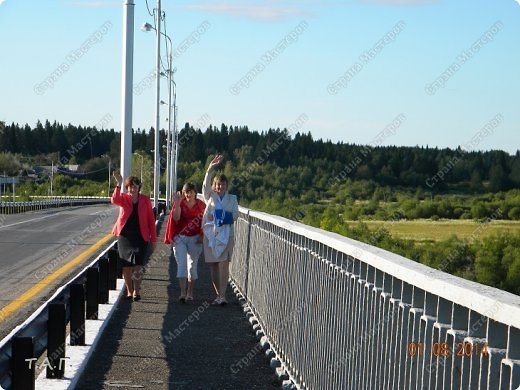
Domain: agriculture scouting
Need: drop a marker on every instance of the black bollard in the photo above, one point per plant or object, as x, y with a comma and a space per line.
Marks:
77, 314
56, 325
23, 363
92, 293
113, 257
119, 267
103, 280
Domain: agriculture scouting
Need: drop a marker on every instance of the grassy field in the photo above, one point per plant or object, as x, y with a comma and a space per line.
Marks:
427, 230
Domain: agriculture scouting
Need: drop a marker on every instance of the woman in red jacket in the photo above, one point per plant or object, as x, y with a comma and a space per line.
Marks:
134, 228
184, 230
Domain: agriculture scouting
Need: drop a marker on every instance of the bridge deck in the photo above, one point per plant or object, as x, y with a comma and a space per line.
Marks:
158, 343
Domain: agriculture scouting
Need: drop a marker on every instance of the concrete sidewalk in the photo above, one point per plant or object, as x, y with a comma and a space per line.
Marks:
159, 343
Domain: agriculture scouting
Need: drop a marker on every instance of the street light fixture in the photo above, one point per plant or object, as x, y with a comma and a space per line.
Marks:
147, 27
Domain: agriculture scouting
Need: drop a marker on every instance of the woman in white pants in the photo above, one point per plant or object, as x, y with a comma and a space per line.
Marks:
184, 230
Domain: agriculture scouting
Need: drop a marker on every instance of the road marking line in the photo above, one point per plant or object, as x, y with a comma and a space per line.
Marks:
102, 211
17, 303
29, 220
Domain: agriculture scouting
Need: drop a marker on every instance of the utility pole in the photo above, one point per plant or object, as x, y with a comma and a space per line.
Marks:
108, 192
52, 174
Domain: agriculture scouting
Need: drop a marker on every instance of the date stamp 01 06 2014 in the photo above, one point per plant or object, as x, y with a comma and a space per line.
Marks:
463, 349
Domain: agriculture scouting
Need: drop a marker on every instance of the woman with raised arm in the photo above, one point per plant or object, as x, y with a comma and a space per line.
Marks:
135, 229
184, 231
220, 214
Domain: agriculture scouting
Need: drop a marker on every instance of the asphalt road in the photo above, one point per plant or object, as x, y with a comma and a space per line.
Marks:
34, 245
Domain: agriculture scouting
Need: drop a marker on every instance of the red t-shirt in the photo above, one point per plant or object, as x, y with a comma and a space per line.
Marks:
190, 222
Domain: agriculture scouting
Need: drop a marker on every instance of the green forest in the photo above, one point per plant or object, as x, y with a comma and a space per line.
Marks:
335, 186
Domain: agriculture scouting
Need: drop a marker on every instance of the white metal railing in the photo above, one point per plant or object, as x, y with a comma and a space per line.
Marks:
341, 314
46, 203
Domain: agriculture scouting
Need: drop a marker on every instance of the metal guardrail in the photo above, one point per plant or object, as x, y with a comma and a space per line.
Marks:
44, 330
22, 207
341, 314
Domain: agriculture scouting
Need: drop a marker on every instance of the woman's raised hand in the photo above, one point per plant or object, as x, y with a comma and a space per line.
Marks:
118, 177
215, 161
176, 197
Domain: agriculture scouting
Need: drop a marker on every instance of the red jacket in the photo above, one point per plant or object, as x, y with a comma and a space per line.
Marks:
144, 210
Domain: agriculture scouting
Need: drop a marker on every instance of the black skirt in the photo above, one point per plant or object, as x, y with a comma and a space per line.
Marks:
130, 244
131, 252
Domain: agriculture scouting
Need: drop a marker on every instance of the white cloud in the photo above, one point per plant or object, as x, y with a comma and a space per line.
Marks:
1, 2
260, 12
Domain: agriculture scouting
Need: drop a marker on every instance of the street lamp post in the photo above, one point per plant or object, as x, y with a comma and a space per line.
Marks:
175, 141
156, 161
169, 140
156, 170
168, 152
127, 80
176, 159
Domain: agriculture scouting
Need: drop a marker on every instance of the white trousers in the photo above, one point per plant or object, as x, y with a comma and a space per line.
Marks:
187, 252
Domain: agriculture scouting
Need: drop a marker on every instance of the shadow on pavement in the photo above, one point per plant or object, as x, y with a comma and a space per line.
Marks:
159, 343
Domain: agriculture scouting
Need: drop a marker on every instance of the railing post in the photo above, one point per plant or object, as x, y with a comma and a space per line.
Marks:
476, 334
440, 328
248, 251
77, 314
23, 363
427, 338
103, 280
379, 344
404, 333
497, 341
56, 325
92, 293
394, 334
416, 312
510, 370
454, 336
365, 284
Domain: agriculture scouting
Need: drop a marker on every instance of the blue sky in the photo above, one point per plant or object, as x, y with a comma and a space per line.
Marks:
390, 72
